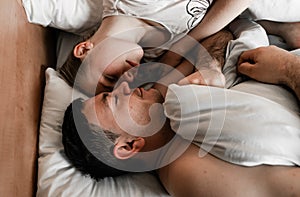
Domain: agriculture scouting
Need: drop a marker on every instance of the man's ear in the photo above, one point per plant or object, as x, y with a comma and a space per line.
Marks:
127, 147
81, 49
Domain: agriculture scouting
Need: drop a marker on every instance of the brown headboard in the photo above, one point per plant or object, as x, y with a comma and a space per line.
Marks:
25, 48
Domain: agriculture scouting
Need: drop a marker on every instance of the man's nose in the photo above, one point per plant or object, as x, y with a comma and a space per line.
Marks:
129, 75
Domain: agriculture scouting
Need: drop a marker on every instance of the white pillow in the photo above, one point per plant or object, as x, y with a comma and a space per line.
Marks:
275, 10
56, 176
76, 16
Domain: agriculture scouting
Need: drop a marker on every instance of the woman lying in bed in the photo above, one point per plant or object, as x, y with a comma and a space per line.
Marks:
154, 31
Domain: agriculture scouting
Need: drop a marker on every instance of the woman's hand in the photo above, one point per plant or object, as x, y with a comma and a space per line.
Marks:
209, 77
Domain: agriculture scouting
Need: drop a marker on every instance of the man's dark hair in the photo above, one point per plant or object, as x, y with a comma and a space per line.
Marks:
76, 151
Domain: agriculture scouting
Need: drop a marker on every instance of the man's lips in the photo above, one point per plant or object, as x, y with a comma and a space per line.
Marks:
139, 92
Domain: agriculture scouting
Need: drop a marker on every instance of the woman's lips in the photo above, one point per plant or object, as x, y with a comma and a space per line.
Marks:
133, 64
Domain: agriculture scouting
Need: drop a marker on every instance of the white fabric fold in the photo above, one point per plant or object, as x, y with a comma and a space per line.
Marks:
237, 127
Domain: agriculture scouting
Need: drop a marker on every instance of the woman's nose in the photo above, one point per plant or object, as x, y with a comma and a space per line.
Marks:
129, 67
123, 88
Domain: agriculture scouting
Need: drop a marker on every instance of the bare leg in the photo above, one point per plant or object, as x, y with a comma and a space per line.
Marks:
290, 32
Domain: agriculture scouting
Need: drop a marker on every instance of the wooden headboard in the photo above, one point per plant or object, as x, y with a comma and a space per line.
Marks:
25, 48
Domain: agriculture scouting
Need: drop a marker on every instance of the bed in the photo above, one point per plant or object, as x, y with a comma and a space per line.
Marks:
32, 158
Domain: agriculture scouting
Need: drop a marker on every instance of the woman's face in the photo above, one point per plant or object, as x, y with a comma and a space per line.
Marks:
105, 63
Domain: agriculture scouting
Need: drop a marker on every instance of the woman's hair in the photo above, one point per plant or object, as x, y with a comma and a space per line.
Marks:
70, 68
87, 160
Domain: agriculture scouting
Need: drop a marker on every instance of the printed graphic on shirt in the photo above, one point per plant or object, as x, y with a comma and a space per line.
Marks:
197, 9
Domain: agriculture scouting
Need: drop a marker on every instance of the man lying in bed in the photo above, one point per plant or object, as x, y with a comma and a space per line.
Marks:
252, 147
263, 132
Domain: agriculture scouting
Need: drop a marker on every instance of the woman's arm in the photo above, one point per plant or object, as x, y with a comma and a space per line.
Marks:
221, 13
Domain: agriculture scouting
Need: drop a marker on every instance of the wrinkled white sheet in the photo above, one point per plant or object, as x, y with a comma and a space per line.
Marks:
249, 124
274, 10
238, 127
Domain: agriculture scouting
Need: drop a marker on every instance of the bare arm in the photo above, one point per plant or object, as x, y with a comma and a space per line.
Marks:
293, 74
221, 13
272, 65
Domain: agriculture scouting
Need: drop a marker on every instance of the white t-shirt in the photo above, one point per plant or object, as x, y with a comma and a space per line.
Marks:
178, 17
235, 126
249, 124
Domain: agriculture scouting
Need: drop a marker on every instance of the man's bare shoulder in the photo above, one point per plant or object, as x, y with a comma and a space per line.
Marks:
192, 175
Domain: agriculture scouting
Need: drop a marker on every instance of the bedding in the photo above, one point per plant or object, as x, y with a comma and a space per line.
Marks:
235, 126
247, 101
278, 10
81, 16
76, 16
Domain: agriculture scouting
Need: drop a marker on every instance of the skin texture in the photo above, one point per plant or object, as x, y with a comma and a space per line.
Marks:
114, 108
194, 176
272, 65
290, 32
113, 50
191, 175
220, 14
209, 72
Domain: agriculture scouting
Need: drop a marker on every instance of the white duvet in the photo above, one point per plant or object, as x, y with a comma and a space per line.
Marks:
235, 126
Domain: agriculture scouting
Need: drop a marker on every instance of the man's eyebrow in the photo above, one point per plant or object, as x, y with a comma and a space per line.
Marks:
103, 88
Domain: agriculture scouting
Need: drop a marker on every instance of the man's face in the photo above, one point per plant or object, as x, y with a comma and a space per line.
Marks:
123, 110
106, 63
